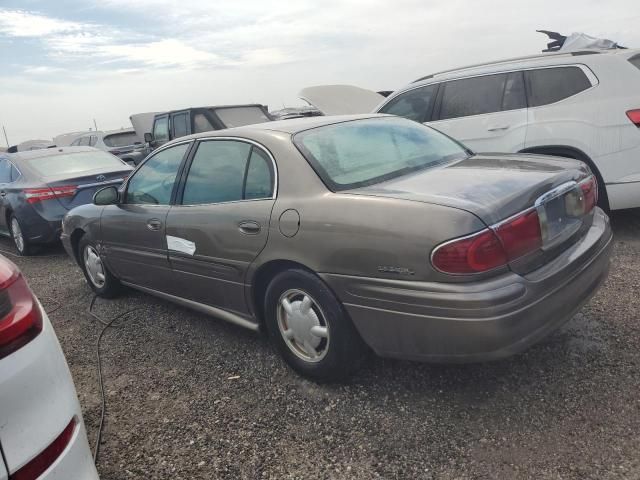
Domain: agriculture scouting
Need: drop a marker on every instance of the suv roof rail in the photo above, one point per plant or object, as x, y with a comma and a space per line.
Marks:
510, 60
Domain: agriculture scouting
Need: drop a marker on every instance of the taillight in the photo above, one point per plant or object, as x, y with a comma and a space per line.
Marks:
490, 248
45, 459
634, 116
35, 195
20, 317
589, 189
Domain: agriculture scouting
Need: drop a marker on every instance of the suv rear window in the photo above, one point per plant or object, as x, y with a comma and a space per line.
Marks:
240, 116
550, 85
120, 139
75, 163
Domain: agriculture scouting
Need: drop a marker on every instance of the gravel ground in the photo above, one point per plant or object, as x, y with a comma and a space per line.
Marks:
195, 398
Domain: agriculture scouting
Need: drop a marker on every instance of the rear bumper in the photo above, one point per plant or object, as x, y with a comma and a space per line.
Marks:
468, 322
37, 401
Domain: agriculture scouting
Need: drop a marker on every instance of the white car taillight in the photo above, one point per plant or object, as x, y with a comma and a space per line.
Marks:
20, 316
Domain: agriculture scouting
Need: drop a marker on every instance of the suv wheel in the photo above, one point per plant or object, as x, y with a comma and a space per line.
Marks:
22, 245
98, 276
310, 328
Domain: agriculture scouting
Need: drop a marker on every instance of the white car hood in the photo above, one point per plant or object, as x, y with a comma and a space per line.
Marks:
341, 99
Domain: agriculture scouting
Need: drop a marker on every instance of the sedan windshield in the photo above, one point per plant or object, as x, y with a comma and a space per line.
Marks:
75, 163
364, 152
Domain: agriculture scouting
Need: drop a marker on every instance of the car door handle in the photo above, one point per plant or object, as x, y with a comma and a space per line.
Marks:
154, 224
497, 128
249, 227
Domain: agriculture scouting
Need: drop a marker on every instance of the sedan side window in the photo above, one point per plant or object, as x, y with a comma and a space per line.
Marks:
217, 172
415, 104
154, 180
259, 182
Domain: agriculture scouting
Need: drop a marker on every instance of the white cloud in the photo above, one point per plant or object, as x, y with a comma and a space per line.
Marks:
21, 23
164, 53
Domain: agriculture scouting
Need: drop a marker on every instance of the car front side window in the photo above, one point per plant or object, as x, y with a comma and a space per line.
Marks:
153, 182
414, 104
161, 129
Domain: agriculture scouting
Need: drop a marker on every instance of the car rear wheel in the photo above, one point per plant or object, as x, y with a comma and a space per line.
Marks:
310, 328
22, 245
98, 276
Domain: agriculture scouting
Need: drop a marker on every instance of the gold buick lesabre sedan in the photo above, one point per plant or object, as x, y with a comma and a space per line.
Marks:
338, 235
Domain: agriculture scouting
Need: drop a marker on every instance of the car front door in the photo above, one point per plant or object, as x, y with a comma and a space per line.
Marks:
180, 124
133, 231
220, 221
160, 131
487, 113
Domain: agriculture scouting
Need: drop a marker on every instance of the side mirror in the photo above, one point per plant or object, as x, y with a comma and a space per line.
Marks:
106, 196
148, 137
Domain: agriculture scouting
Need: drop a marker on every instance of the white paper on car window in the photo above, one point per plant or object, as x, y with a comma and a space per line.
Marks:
181, 245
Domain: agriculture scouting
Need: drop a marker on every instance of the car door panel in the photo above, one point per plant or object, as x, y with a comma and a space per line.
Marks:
222, 221
215, 273
133, 231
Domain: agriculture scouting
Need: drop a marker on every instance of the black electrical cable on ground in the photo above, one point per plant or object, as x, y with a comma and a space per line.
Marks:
106, 325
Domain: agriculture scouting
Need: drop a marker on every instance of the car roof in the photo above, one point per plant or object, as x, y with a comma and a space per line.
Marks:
292, 126
169, 112
50, 152
552, 58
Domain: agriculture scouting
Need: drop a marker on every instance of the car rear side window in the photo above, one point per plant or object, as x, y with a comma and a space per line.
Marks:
240, 116
217, 172
15, 174
259, 178
153, 182
179, 124
550, 85
473, 96
414, 104
201, 123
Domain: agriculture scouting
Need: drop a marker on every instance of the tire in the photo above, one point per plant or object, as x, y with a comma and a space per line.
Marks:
334, 349
23, 247
105, 285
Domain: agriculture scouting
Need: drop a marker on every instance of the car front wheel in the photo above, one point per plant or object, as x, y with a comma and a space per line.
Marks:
310, 328
98, 276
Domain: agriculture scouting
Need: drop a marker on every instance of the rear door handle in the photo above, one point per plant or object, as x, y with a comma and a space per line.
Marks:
154, 224
249, 227
497, 128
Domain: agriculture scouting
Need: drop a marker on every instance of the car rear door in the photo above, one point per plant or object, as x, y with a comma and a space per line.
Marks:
220, 222
487, 113
133, 231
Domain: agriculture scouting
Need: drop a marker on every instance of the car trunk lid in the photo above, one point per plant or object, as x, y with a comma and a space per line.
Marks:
72, 192
497, 187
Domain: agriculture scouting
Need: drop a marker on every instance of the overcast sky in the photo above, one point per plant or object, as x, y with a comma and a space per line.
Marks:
66, 62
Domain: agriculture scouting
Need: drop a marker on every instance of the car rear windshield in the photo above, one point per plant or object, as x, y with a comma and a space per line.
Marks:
120, 139
240, 116
75, 163
365, 152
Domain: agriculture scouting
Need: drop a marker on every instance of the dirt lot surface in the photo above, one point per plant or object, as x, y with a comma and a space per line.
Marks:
190, 397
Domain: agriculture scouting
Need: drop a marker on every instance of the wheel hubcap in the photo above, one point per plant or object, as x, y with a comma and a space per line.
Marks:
303, 325
17, 235
93, 264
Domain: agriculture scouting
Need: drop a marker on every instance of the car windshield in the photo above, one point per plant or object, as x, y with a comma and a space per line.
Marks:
75, 163
123, 139
364, 152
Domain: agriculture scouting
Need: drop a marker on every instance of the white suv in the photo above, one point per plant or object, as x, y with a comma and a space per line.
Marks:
583, 105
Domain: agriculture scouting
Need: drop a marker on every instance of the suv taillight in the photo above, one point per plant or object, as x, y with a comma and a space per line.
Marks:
35, 195
20, 316
490, 248
634, 116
